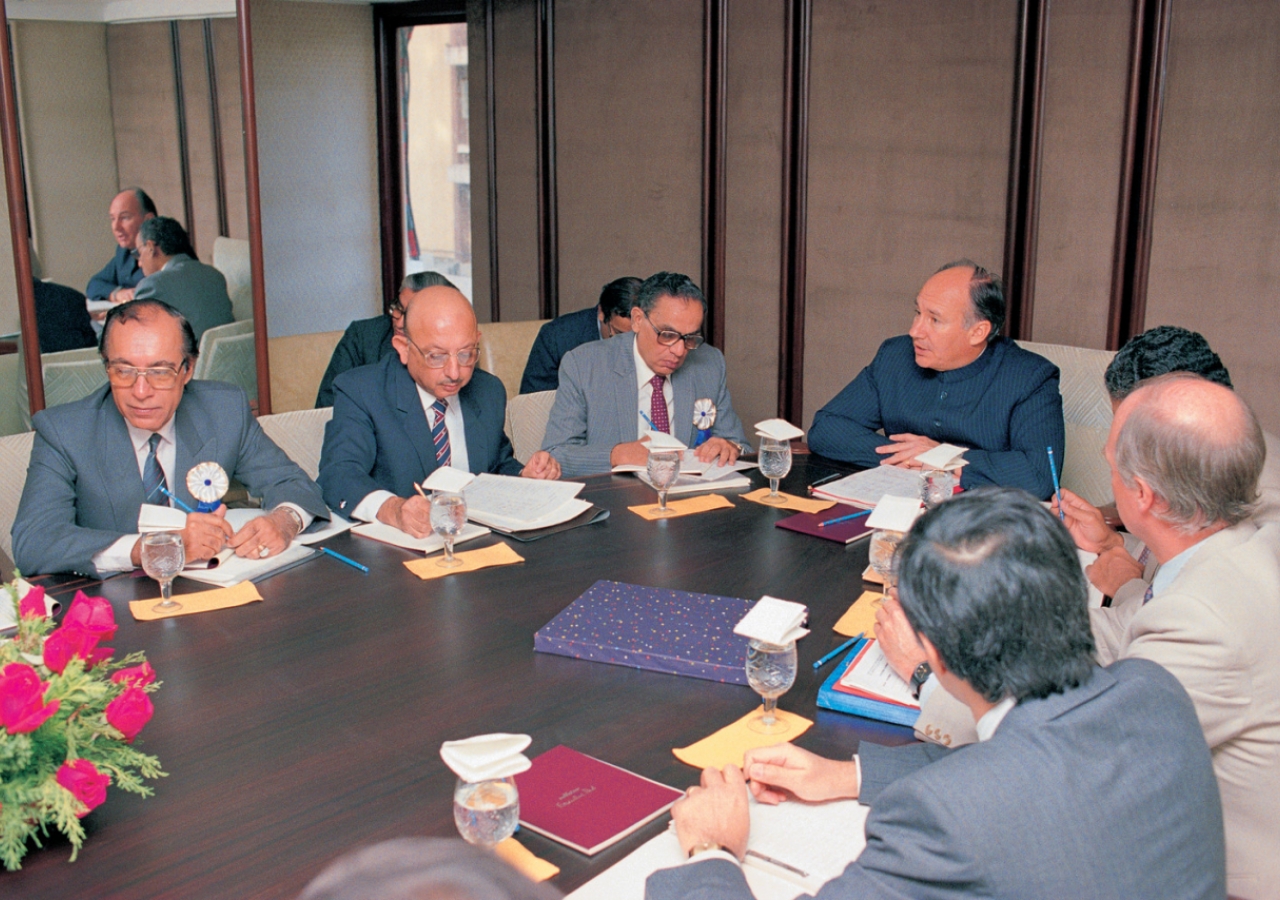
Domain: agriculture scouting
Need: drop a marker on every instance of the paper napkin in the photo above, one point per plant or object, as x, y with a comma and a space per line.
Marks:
448, 479
519, 857
205, 601
729, 745
778, 429
160, 518
792, 502
774, 621
679, 508
860, 618
943, 456
487, 756
660, 440
895, 513
486, 557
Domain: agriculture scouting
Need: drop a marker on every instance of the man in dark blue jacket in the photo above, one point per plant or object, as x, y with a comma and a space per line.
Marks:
612, 315
129, 209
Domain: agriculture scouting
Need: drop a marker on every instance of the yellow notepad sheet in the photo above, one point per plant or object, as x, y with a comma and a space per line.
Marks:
799, 504
519, 857
729, 745
861, 616
871, 575
687, 507
220, 598
484, 558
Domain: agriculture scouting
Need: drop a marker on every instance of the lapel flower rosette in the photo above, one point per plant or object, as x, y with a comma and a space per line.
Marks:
69, 716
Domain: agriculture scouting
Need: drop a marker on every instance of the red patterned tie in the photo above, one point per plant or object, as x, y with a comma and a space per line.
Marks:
658, 407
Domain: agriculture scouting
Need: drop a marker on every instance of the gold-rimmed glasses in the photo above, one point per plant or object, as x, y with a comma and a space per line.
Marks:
466, 357
162, 378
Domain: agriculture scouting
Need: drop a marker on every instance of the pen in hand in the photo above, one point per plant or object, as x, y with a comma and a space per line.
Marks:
1057, 487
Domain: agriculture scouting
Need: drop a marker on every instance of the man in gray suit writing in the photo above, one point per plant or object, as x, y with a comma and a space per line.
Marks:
612, 393
1040, 807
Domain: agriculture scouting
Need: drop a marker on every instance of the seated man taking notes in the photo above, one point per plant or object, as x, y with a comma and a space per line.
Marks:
96, 461
613, 393
1040, 809
425, 406
952, 379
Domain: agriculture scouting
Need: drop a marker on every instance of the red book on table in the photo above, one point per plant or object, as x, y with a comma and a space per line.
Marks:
585, 803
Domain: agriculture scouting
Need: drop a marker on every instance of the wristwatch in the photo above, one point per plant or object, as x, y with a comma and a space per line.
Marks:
919, 677
293, 517
703, 847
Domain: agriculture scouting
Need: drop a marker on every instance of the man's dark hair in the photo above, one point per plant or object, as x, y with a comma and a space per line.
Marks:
168, 234
145, 203
136, 311
992, 579
986, 293
1160, 351
667, 284
618, 296
420, 281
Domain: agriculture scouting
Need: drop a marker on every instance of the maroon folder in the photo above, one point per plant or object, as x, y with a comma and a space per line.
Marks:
843, 532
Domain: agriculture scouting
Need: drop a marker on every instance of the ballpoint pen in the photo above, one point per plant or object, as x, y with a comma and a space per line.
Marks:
836, 652
652, 427
837, 521
1057, 488
178, 503
341, 558
825, 480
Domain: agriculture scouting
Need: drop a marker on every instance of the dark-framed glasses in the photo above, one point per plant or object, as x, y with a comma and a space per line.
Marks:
466, 357
669, 338
159, 377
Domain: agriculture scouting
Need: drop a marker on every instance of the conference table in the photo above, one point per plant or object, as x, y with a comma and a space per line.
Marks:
298, 728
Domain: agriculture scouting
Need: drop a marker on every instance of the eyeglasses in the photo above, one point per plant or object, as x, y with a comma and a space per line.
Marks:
161, 377
669, 338
466, 357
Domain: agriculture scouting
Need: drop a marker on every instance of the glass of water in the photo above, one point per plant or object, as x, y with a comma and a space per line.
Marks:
883, 552
448, 518
486, 812
775, 464
163, 557
936, 486
663, 469
771, 670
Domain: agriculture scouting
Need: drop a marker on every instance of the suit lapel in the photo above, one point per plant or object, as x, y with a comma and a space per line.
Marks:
193, 445
413, 418
114, 444
626, 392
477, 451
682, 404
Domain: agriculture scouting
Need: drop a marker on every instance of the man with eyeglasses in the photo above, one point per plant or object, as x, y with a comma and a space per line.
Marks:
608, 318
612, 394
95, 461
426, 406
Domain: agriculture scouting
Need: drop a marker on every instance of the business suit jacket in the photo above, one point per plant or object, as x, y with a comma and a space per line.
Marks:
83, 488
379, 439
122, 271
1044, 809
197, 291
555, 339
62, 321
598, 400
363, 343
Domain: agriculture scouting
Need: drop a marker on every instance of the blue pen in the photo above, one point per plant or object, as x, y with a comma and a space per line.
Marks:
182, 506
857, 515
836, 652
1057, 488
351, 562
652, 427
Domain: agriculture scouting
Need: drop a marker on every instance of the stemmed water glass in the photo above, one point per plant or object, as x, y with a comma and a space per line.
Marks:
771, 670
883, 552
663, 469
486, 812
775, 464
448, 518
936, 486
163, 557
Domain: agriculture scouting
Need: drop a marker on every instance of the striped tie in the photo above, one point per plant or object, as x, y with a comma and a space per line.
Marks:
440, 434
153, 476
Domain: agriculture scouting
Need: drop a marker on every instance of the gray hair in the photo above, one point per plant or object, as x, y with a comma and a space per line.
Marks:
1205, 469
420, 281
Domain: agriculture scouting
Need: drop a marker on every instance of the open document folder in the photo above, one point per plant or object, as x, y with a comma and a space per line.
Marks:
510, 503
696, 475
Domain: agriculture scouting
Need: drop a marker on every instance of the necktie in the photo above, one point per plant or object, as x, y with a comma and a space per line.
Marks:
658, 406
440, 434
1146, 598
153, 476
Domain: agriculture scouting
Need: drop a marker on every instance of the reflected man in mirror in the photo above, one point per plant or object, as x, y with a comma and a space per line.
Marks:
174, 275
609, 317
129, 209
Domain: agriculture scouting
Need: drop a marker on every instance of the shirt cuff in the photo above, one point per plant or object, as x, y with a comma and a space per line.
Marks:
367, 509
118, 557
305, 517
713, 854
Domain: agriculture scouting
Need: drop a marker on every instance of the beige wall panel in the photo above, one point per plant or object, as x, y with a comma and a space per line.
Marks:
1085, 90
68, 147
516, 147
199, 120
317, 137
226, 54
143, 107
753, 205
1215, 257
479, 120
908, 164
628, 141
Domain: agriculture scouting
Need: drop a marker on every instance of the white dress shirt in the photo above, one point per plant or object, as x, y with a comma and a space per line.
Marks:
644, 377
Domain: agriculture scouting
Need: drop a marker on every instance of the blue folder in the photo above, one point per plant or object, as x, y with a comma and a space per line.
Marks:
830, 698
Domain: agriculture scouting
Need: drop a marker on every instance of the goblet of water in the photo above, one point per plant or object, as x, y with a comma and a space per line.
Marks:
448, 518
771, 670
486, 812
883, 552
936, 486
775, 464
663, 470
163, 557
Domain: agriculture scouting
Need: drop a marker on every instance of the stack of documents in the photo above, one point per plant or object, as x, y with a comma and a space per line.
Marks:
389, 534
696, 475
509, 503
865, 489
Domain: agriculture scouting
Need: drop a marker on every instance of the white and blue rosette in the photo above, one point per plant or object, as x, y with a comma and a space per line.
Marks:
704, 416
208, 483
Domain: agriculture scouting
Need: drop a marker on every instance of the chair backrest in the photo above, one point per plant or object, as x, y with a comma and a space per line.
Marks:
15, 454
527, 422
300, 434
226, 354
71, 374
298, 362
231, 258
1086, 411
504, 350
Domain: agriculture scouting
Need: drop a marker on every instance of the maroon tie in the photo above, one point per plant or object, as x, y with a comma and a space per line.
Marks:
658, 407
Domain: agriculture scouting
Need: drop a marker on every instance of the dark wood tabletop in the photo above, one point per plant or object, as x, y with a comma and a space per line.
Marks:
298, 728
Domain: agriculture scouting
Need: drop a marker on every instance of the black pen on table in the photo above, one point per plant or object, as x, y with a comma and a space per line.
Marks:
351, 562
825, 480
836, 652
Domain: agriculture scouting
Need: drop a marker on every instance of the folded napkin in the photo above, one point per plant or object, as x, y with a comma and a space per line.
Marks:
861, 616
799, 504
688, 507
518, 856
498, 555
729, 745
205, 601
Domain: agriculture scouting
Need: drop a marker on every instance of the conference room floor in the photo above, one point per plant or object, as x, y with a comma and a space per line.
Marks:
303, 726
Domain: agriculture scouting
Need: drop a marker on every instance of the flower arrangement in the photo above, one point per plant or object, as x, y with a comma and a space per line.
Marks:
68, 717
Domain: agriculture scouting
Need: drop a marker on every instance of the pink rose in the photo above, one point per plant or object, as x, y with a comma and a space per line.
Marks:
130, 712
70, 641
93, 614
32, 604
135, 676
85, 783
22, 706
